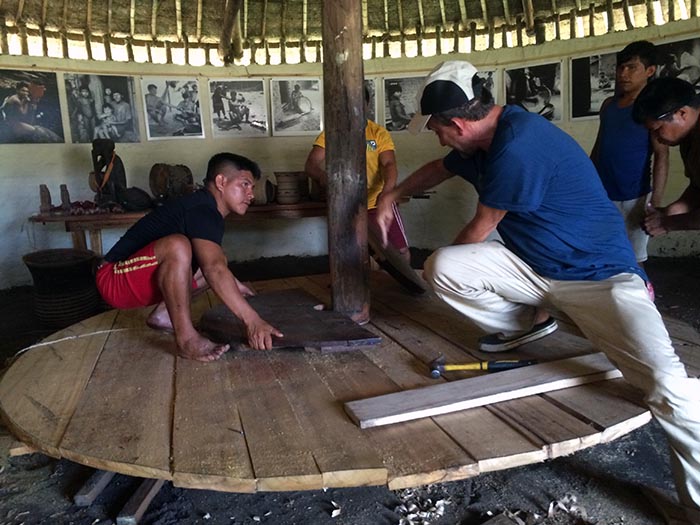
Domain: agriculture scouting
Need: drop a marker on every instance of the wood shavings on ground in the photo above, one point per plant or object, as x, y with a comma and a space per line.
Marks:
417, 507
565, 511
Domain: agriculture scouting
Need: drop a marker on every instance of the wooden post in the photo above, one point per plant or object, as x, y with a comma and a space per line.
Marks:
438, 39
671, 10
591, 19
626, 12
572, 24
611, 15
519, 30
4, 44
88, 44
650, 13
540, 31
108, 46
472, 36
24, 43
343, 87
455, 31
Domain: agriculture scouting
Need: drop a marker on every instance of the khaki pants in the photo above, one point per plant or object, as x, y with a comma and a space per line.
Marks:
499, 292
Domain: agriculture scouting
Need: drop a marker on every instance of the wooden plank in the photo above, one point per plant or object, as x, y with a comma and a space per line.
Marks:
479, 391
505, 447
92, 488
338, 447
217, 459
280, 460
112, 427
562, 432
293, 312
415, 453
39, 392
135, 508
607, 407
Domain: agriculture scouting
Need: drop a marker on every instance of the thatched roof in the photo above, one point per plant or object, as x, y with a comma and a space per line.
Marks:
239, 25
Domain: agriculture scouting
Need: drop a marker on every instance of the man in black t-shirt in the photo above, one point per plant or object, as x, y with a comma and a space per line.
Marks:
177, 248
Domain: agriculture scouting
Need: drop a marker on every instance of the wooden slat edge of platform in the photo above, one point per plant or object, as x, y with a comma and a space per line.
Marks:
38, 411
480, 391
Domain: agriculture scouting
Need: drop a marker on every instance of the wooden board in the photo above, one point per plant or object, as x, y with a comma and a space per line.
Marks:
480, 391
293, 312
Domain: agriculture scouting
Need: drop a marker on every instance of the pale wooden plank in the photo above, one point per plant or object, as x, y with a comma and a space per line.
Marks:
215, 459
606, 407
562, 432
494, 443
92, 488
338, 446
138, 503
280, 460
39, 392
124, 418
415, 453
479, 391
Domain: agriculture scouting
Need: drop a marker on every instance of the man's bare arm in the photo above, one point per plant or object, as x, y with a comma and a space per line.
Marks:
659, 174
424, 178
316, 165
212, 261
483, 223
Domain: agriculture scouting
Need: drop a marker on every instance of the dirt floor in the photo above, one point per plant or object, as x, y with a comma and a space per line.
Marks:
599, 485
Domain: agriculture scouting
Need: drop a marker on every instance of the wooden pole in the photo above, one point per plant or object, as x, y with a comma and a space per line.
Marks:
343, 75
626, 12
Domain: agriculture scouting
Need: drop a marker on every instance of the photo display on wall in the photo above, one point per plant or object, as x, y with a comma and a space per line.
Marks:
400, 101
239, 108
172, 108
680, 59
101, 107
536, 89
592, 81
297, 106
30, 111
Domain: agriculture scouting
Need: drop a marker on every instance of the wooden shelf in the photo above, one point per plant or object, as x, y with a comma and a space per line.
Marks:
77, 225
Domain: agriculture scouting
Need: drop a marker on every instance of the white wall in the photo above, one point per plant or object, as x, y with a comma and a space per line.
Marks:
430, 222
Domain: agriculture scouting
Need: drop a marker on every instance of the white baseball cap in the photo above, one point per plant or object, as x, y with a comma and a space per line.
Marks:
449, 85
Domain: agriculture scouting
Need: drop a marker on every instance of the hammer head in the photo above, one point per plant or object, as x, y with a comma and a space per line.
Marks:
437, 366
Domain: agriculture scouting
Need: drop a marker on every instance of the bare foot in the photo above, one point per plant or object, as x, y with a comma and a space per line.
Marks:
159, 319
200, 348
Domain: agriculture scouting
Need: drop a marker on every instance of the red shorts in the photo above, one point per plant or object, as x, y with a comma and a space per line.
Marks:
131, 283
396, 235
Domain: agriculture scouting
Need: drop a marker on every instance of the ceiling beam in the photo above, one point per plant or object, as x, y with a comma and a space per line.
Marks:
154, 18
132, 18
20, 10
198, 34
88, 16
178, 18
529, 11
227, 28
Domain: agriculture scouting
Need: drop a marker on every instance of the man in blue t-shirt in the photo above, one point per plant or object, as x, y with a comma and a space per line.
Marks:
564, 247
623, 148
177, 248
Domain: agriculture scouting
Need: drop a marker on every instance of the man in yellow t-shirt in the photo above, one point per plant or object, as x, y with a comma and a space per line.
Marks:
381, 176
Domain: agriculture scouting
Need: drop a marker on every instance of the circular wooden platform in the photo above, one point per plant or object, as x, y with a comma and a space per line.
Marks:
109, 393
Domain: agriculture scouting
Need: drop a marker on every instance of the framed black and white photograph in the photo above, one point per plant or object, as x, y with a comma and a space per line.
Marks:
239, 108
101, 107
172, 108
400, 101
536, 89
371, 87
491, 82
592, 81
30, 111
680, 59
297, 106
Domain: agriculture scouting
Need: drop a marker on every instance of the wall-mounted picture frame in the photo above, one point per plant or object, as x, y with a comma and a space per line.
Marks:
101, 107
30, 108
371, 87
171, 108
680, 59
592, 81
400, 101
239, 108
297, 106
536, 88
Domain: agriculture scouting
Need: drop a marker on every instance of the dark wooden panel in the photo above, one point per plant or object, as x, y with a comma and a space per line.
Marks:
291, 311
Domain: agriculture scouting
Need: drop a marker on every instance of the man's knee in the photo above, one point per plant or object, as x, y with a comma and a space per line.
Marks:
174, 248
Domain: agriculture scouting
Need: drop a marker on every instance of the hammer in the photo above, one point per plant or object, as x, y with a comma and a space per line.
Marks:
438, 365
